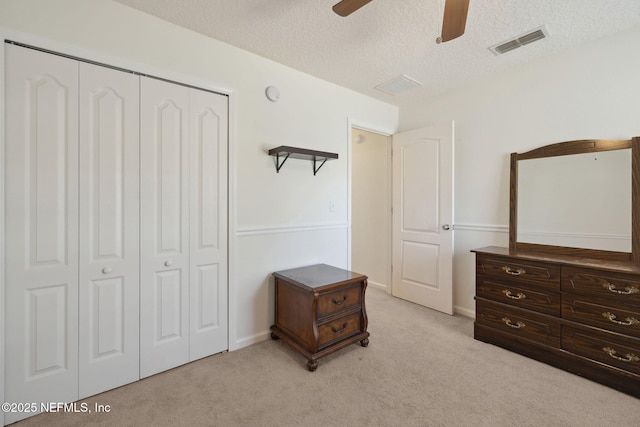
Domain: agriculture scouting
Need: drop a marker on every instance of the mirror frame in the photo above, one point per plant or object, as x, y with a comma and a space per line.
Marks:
580, 147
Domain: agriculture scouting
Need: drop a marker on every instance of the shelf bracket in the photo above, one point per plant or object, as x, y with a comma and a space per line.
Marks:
316, 169
279, 165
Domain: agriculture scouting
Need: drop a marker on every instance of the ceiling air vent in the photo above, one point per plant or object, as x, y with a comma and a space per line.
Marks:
398, 85
524, 39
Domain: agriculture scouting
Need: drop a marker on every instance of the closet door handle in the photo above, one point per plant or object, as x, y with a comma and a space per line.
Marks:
107, 270
168, 263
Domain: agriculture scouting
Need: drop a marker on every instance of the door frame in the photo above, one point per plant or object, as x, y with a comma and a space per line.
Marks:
388, 133
118, 62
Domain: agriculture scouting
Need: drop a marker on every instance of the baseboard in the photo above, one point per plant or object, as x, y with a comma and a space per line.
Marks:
252, 339
377, 285
464, 312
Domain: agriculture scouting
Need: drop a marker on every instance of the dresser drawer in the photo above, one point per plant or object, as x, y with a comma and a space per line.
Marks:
338, 329
519, 322
542, 301
519, 272
621, 288
601, 314
334, 302
613, 350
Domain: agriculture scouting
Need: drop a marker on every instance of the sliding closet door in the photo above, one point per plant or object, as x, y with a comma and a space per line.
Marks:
164, 226
208, 210
109, 234
41, 347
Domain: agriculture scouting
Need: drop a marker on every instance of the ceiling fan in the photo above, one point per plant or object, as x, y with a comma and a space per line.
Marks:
455, 16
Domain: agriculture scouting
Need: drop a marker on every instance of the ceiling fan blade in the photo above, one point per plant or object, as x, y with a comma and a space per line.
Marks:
455, 18
347, 7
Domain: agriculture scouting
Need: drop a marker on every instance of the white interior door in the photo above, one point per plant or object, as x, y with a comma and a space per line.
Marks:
422, 216
109, 234
41, 247
208, 114
164, 226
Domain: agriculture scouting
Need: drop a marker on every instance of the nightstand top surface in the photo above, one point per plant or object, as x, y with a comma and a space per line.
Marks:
319, 275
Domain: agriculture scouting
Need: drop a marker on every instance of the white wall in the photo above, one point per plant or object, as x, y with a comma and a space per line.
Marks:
278, 220
371, 206
587, 92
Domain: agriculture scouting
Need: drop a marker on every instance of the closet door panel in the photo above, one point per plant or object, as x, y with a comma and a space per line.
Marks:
208, 212
41, 228
164, 263
109, 229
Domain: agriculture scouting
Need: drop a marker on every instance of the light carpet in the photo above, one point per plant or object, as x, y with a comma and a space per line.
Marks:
421, 368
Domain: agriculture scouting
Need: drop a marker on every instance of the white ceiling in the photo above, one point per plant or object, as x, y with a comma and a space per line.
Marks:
388, 38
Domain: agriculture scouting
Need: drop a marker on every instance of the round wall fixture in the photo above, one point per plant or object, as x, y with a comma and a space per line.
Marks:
273, 93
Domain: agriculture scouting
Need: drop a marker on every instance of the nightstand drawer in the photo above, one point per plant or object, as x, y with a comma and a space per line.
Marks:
542, 301
519, 272
338, 329
611, 349
614, 287
601, 314
522, 323
334, 302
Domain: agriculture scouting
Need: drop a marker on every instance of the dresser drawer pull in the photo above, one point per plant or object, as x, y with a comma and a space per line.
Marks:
629, 357
629, 290
510, 324
516, 272
629, 321
341, 330
519, 295
339, 302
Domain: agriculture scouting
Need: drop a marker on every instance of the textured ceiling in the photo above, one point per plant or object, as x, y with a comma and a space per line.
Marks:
388, 38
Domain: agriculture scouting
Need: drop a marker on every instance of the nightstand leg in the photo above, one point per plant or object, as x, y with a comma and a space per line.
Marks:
364, 342
312, 365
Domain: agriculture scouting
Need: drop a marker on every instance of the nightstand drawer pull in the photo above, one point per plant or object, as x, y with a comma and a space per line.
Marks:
519, 295
339, 331
516, 272
510, 324
629, 357
339, 302
629, 321
629, 290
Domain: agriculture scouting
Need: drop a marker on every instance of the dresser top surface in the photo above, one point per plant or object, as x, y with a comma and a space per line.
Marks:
560, 259
319, 276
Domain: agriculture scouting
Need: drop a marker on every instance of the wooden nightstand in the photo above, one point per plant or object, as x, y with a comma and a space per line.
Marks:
320, 309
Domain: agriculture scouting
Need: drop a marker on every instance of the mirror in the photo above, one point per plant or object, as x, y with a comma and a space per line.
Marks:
577, 198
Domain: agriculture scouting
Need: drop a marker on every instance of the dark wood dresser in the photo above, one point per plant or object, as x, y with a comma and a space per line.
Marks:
319, 310
577, 314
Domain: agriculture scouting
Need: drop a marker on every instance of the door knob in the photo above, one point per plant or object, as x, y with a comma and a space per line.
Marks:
446, 227
168, 263
106, 270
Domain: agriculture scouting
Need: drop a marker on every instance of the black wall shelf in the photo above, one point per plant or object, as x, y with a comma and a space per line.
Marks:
284, 152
